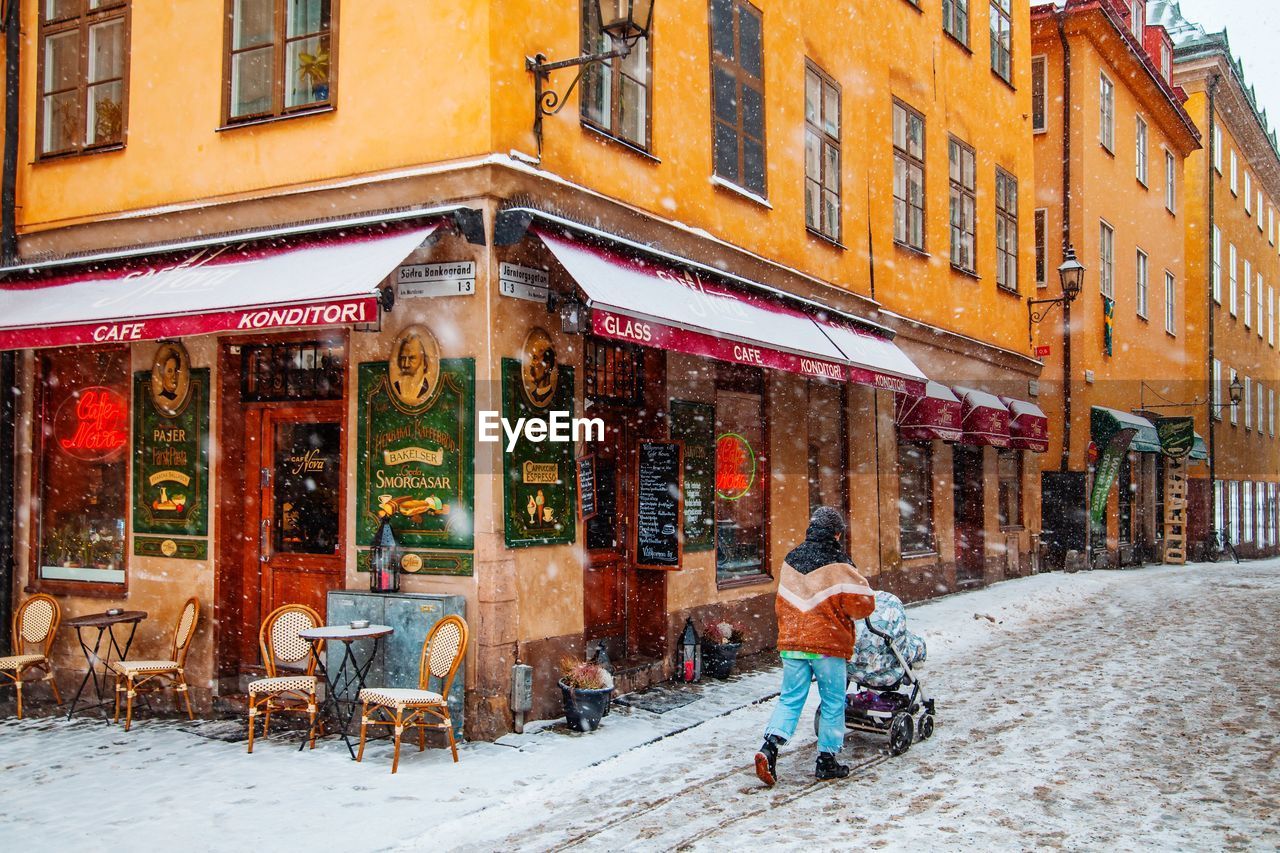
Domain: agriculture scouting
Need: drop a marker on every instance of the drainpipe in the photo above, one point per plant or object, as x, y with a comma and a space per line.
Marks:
8, 194
1065, 462
9, 254
1211, 319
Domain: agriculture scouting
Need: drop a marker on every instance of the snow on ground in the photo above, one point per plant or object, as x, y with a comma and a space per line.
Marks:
1117, 710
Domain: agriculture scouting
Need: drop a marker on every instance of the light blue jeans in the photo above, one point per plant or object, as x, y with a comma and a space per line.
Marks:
796, 675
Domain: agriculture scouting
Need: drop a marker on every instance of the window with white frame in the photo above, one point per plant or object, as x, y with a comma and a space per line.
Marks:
1257, 291
1039, 94
1235, 407
1248, 403
1170, 303
1259, 210
1136, 21
1235, 174
1107, 113
1106, 260
1248, 192
1217, 148
1271, 412
1215, 390
1141, 289
1042, 247
1170, 183
1271, 224
1140, 148
1248, 293
1231, 278
1246, 512
1258, 387
1217, 265
1271, 316
1233, 512
1166, 62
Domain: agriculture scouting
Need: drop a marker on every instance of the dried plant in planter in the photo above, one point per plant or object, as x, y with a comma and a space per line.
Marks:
719, 633
583, 675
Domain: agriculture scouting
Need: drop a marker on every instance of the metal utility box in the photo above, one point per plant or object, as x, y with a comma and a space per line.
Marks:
412, 615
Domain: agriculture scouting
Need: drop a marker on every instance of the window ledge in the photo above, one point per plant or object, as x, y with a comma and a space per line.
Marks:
958, 43
996, 74
906, 247
84, 152
1104, 147
919, 555
973, 274
255, 122
606, 136
1173, 335
914, 4
1143, 317
818, 235
1036, 131
720, 182
1143, 184
1012, 528
1007, 291
745, 580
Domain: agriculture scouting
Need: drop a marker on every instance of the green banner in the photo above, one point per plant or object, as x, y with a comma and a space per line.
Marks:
171, 460
1177, 436
1112, 438
417, 466
1108, 324
694, 425
539, 478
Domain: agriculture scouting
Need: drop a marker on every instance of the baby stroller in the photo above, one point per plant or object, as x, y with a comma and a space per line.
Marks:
885, 696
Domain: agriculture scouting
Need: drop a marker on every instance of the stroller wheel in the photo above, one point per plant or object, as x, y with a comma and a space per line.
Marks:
900, 731
924, 728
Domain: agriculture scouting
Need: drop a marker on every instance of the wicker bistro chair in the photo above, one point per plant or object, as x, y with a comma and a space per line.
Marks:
296, 693
34, 625
422, 709
148, 676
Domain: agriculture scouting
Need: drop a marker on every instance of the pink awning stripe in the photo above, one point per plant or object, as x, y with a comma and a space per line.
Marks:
937, 415
985, 419
1028, 425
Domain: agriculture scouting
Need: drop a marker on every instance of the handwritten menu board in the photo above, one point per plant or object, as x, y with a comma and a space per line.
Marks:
587, 500
659, 474
694, 426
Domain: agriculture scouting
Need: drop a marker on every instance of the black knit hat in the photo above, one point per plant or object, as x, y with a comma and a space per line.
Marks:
826, 523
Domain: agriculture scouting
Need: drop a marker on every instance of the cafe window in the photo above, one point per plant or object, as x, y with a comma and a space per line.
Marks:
84, 48
279, 57
615, 93
915, 498
742, 474
1009, 466
294, 371
827, 458
737, 86
613, 373
81, 458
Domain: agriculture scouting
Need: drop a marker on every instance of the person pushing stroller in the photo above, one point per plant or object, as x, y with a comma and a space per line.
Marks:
820, 597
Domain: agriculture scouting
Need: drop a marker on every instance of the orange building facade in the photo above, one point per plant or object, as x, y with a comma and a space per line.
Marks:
798, 253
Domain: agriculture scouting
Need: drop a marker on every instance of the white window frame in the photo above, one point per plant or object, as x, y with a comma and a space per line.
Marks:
1106, 112
1217, 265
1215, 392
1217, 148
1248, 293
1231, 278
1235, 174
1170, 182
1233, 376
1041, 224
1248, 192
1136, 17
1271, 412
1170, 303
1248, 403
1107, 259
1140, 149
1246, 511
1259, 211
1271, 224
1141, 264
1261, 302
1040, 66
1166, 62
1271, 315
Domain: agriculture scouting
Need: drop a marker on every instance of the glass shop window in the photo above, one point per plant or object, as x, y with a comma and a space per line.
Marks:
828, 469
915, 498
1010, 470
82, 449
742, 474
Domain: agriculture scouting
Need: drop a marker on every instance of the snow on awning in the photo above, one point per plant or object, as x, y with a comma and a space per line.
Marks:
1028, 425
939, 414
323, 281
652, 303
985, 419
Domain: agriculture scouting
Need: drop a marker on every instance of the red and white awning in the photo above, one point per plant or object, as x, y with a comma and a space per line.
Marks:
939, 414
1028, 425
325, 281
658, 305
985, 419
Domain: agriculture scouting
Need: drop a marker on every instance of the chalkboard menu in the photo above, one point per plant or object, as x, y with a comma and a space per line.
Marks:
658, 505
694, 426
587, 501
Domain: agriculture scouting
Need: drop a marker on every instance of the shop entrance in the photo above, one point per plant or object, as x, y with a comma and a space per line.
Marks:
623, 607
282, 485
967, 485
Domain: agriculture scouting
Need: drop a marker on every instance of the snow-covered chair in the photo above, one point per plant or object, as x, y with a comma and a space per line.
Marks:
148, 676
422, 708
295, 693
34, 626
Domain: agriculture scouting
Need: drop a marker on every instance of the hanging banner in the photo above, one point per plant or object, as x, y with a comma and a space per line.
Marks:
1177, 436
1108, 323
416, 462
171, 449
539, 494
694, 426
1113, 437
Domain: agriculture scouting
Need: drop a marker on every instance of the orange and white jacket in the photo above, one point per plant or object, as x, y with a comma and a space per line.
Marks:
816, 611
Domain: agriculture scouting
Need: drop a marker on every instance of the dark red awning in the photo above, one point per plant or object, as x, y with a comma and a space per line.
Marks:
985, 419
936, 415
1028, 425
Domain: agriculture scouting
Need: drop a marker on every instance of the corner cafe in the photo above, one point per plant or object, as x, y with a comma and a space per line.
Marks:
230, 418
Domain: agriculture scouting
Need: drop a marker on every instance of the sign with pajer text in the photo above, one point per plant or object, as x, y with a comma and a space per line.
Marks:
171, 460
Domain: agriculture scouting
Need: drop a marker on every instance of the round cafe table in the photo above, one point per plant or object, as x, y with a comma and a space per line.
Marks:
342, 687
97, 669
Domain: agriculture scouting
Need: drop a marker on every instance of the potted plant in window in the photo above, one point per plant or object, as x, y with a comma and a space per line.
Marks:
586, 688
313, 71
721, 641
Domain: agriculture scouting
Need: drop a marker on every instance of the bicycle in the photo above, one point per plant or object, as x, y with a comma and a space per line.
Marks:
1217, 543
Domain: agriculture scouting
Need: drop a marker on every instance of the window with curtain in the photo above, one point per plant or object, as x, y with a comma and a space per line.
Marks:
615, 93
737, 86
82, 454
963, 176
908, 176
915, 498
821, 153
281, 57
83, 58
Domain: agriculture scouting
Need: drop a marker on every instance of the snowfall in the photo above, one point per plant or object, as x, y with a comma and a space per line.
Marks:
1130, 710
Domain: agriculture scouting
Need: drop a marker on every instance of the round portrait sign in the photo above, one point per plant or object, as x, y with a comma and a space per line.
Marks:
170, 378
413, 369
539, 368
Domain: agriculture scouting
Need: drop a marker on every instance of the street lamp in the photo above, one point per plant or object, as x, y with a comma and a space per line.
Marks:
625, 22
1071, 276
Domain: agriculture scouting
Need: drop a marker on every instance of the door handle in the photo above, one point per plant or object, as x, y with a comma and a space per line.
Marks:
264, 540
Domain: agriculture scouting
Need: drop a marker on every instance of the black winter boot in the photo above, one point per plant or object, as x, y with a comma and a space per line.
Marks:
767, 760
829, 768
